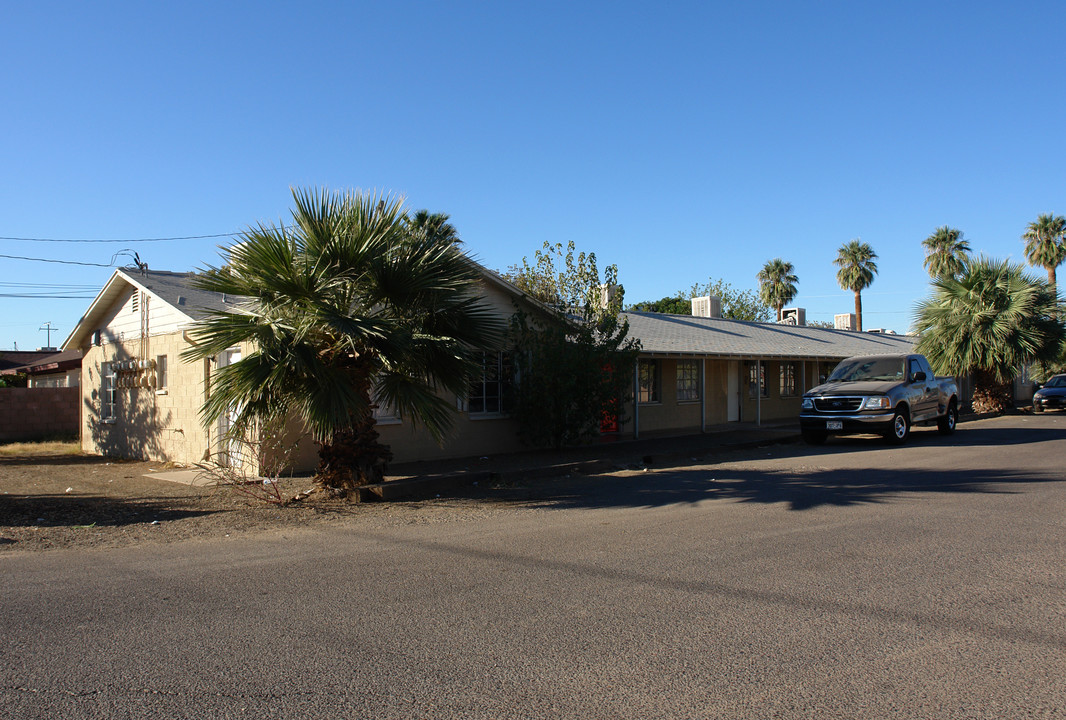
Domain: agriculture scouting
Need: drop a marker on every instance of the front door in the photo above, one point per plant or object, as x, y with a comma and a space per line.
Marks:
228, 450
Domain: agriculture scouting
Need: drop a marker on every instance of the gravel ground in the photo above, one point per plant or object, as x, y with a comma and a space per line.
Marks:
63, 501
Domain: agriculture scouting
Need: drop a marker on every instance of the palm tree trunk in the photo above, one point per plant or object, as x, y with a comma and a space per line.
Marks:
858, 311
353, 457
989, 394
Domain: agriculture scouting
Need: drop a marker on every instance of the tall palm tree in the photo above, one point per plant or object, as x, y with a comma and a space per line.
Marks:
857, 269
435, 226
344, 308
1045, 244
946, 253
777, 284
988, 321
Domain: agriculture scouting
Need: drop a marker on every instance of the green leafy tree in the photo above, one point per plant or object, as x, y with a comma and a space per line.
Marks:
777, 284
946, 253
575, 359
989, 321
1045, 245
673, 305
736, 304
17, 380
344, 308
857, 269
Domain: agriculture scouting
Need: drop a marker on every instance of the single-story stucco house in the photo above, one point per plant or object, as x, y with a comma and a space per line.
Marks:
140, 400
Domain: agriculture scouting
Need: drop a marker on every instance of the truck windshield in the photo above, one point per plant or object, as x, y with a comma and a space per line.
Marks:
862, 369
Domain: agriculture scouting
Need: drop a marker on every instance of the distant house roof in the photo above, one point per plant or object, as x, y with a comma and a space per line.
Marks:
174, 288
21, 358
50, 362
662, 334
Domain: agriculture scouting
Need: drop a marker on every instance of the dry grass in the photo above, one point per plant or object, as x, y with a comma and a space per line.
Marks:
36, 449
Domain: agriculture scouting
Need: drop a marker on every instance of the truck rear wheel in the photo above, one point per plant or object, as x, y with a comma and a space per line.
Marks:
900, 429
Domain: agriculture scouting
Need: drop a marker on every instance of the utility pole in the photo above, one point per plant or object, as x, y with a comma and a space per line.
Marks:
47, 327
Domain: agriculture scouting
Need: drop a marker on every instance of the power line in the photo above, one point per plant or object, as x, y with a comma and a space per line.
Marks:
64, 286
135, 240
45, 296
61, 262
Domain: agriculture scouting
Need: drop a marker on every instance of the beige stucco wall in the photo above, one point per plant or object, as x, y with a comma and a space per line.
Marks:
470, 436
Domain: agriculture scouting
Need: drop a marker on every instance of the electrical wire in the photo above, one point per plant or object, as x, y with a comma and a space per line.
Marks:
41, 296
61, 262
64, 286
136, 240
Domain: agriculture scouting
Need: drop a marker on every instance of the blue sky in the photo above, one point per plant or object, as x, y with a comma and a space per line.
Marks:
682, 142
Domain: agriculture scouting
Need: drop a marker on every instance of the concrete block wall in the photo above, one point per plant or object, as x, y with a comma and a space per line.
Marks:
38, 413
151, 423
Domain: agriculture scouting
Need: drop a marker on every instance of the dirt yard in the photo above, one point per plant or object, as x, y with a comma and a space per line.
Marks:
53, 499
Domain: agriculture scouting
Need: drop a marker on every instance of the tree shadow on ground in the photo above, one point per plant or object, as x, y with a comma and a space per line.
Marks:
694, 480
64, 510
55, 460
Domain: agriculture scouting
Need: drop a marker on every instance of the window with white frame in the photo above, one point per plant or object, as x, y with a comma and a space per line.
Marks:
162, 378
757, 379
384, 413
493, 392
107, 392
649, 377
688, 380
788, 379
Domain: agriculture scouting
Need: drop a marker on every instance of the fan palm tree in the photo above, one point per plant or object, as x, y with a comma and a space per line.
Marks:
344, 308
988, 321
777, 284
946, 253
857, 269
1045, 244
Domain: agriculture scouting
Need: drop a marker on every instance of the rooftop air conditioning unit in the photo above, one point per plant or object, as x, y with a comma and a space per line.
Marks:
794, 316
707, 307
844, 321
608, 293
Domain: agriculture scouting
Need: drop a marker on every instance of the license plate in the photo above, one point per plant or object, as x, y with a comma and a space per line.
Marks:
834, 425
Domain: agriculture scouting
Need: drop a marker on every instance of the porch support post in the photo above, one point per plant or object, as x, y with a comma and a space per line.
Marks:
803, 377
758, 392
703, 395
636, 399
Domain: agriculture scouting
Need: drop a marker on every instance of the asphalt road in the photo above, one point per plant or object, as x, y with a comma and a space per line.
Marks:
851, 581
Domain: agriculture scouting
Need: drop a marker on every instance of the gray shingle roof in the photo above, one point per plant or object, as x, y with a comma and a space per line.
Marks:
176, 288
687, 335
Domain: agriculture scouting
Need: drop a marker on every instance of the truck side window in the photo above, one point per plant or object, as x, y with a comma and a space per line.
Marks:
916, 367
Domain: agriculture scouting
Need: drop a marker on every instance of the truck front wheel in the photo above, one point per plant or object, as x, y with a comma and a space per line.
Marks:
900, 428
946, 423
